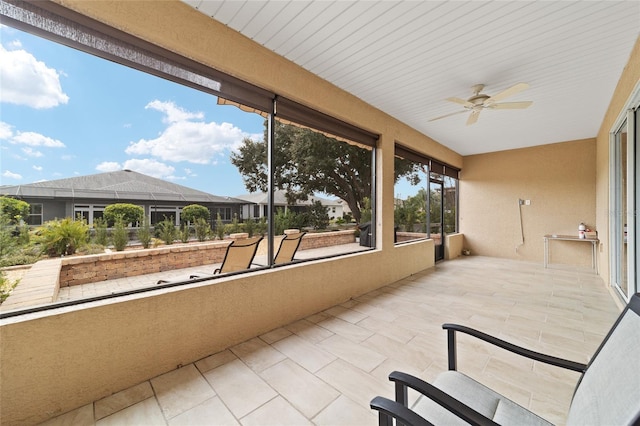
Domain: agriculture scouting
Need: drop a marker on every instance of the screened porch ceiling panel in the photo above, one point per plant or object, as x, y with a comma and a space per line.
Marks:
407, 57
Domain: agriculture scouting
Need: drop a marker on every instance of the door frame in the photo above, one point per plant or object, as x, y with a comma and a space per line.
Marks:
629, 117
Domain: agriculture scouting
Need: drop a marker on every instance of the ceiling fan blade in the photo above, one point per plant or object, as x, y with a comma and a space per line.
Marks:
511, 105
517, 88
448, 115
461, 102
473, 117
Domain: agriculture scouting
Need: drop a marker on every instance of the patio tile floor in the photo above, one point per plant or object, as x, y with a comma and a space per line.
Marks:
325, 369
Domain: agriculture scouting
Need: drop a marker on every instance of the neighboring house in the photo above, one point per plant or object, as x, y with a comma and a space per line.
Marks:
87, 196
256, 205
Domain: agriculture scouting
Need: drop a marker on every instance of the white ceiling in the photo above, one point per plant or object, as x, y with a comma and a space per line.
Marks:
407, 57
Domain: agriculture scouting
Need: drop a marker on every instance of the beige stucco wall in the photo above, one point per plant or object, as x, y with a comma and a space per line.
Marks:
559, 179
628, 80
454, 243
55, 361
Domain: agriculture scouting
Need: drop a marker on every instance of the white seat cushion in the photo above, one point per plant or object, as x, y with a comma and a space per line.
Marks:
477, 396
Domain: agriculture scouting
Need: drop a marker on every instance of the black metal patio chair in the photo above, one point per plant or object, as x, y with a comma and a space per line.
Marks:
607, 393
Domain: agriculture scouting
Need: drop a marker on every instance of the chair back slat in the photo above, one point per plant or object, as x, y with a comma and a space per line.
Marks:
239, 255
288, 248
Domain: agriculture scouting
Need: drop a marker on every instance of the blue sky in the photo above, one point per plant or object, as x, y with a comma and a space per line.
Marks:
65, 113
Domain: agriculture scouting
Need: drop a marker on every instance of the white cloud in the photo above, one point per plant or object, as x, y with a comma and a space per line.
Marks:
108, 166
15, 44
27, 81
145, 166
36, 139
173, 113
31, 152
186, 140
150, 167
11, 175
38, 168
5, 130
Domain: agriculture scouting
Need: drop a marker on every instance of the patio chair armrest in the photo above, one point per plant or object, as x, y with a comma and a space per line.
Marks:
446, 401
537, 356
389, 410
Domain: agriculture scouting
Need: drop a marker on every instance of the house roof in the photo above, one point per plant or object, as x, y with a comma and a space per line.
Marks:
280, 199
120, 185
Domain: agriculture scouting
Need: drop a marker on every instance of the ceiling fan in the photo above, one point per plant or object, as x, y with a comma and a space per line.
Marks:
480, 101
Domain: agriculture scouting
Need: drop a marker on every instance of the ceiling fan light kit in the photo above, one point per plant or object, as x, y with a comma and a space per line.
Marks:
479, 101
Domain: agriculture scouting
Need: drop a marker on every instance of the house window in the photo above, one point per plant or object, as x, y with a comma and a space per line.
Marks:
88, 212
35, 214
160, 213
224, 212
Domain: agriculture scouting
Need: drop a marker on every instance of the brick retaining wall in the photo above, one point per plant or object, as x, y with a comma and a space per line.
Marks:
107, 266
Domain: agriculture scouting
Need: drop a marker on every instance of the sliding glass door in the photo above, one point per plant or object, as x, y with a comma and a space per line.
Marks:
624, 198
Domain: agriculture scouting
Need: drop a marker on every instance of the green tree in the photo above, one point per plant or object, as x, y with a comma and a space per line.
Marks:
193, 212
14, 210
318, 216
306, 162
129, 213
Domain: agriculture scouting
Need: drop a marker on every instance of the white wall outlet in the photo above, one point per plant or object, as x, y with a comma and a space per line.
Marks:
527, 202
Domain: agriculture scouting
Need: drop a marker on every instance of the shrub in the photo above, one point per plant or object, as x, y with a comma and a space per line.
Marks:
234, 226
167, 230
144, 233
365, 211
15, 210
193, 212
25, 255
101, 236
91, 248
129, 213
202, 229
185, 233
6, 286
261, 226
8, 242
219, 228
60, 237
120, 235
250, 227
288, 220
